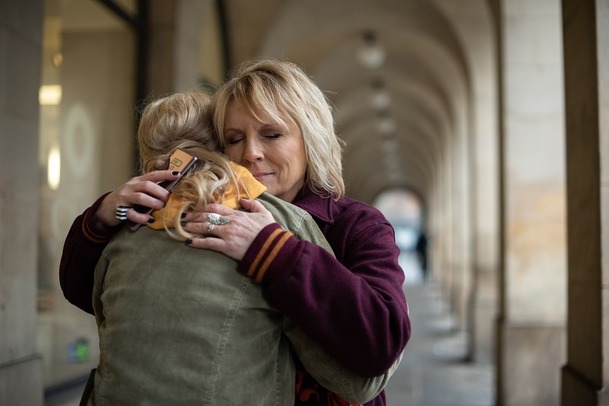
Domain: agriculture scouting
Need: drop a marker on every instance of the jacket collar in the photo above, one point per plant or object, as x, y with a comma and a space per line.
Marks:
318, 206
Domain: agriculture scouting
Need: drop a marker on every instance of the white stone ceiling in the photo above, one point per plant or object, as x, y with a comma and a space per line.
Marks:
436, 72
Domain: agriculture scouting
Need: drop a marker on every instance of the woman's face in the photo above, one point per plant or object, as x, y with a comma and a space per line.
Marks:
274, 154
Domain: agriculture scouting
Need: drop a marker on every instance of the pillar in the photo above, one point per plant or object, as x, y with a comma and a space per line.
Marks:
531, 323
20, 45
585, 376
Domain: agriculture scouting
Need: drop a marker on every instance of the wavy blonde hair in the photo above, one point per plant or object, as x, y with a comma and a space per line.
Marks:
182, 121
278, 91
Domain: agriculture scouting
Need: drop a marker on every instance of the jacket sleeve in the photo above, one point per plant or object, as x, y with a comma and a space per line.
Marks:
330, 373
352, 305
82, 249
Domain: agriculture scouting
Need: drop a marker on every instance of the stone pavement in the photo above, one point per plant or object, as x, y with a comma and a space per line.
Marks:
433, 371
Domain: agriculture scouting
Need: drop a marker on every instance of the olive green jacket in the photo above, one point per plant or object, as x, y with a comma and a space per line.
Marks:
179, 325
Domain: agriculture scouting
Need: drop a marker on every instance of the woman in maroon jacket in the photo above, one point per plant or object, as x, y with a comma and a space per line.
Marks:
273, 119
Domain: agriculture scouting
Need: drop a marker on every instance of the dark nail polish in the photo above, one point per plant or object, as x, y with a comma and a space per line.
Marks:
175, 173
183, 215
182, 223
188, 242
151, 220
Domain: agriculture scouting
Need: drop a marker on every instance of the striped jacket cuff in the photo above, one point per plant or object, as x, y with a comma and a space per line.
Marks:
272, 250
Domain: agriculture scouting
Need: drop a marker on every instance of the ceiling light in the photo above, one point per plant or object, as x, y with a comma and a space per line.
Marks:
386, 126
370, 54
380, 99
385, 123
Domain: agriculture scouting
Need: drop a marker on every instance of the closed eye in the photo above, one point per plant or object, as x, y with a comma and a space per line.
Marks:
233, 141
232, 138
272, 135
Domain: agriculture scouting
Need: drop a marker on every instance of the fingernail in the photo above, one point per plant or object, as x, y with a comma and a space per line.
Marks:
151, 220
182, 223
189, 241
183, 215
175, 173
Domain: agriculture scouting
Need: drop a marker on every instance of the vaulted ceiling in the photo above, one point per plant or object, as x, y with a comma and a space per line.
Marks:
402, 121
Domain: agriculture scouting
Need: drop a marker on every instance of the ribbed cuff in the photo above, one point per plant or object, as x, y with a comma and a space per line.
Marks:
90, 227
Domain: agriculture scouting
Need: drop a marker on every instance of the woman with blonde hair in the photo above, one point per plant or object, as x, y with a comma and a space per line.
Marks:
181, 326
272, 119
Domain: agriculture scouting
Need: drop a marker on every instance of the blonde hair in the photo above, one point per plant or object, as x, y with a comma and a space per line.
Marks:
182, 121
270, 90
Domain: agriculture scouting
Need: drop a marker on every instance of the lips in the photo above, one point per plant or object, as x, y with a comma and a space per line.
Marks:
261, 175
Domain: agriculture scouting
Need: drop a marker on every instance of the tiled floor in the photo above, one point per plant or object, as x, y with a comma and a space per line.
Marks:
432, 371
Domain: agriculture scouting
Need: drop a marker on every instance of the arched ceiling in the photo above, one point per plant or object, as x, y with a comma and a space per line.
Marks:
427, 74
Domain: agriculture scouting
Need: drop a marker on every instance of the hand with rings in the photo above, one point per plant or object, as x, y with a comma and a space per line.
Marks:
238, 228
214, 219
121, 212
142, 191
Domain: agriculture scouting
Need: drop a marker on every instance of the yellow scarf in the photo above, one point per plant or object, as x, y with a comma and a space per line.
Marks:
249, 188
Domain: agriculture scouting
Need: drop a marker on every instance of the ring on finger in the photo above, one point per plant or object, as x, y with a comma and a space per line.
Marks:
210, 228
216, 219
121, 212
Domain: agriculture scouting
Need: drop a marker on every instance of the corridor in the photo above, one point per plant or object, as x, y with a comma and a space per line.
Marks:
433, 371
489, 116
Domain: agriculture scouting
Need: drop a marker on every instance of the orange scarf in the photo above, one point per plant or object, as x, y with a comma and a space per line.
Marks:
248, 188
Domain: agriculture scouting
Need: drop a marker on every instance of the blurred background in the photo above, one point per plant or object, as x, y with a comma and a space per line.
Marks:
479, 127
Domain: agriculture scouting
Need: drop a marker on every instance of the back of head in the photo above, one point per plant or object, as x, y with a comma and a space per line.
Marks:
182, 121
276, 91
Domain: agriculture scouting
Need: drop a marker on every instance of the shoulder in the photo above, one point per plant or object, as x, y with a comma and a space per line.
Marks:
348, 210
358, 227
329, 211
289, 216
282, 210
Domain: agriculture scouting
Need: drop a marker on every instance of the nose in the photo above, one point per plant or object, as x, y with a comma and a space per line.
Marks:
253, 150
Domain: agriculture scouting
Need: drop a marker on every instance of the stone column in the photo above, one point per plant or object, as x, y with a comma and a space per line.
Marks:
20, 53
161, 37
191, 16
177, 29
531, 324
585, 376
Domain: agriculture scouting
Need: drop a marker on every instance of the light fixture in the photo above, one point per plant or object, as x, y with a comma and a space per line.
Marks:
57, 59
380, 96
386, 124
390, 147
54, 168
370, 54
49, 95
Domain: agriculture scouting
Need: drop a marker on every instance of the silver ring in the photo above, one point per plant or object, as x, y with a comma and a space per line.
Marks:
210, 228
121, 212
216, 219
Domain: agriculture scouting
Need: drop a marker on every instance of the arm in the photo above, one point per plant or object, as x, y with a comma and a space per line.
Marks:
93, 229
319, 364
357, 297
350, 304
330, 373
81, 250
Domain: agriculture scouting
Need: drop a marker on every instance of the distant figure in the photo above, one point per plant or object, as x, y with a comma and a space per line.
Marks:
421, 248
